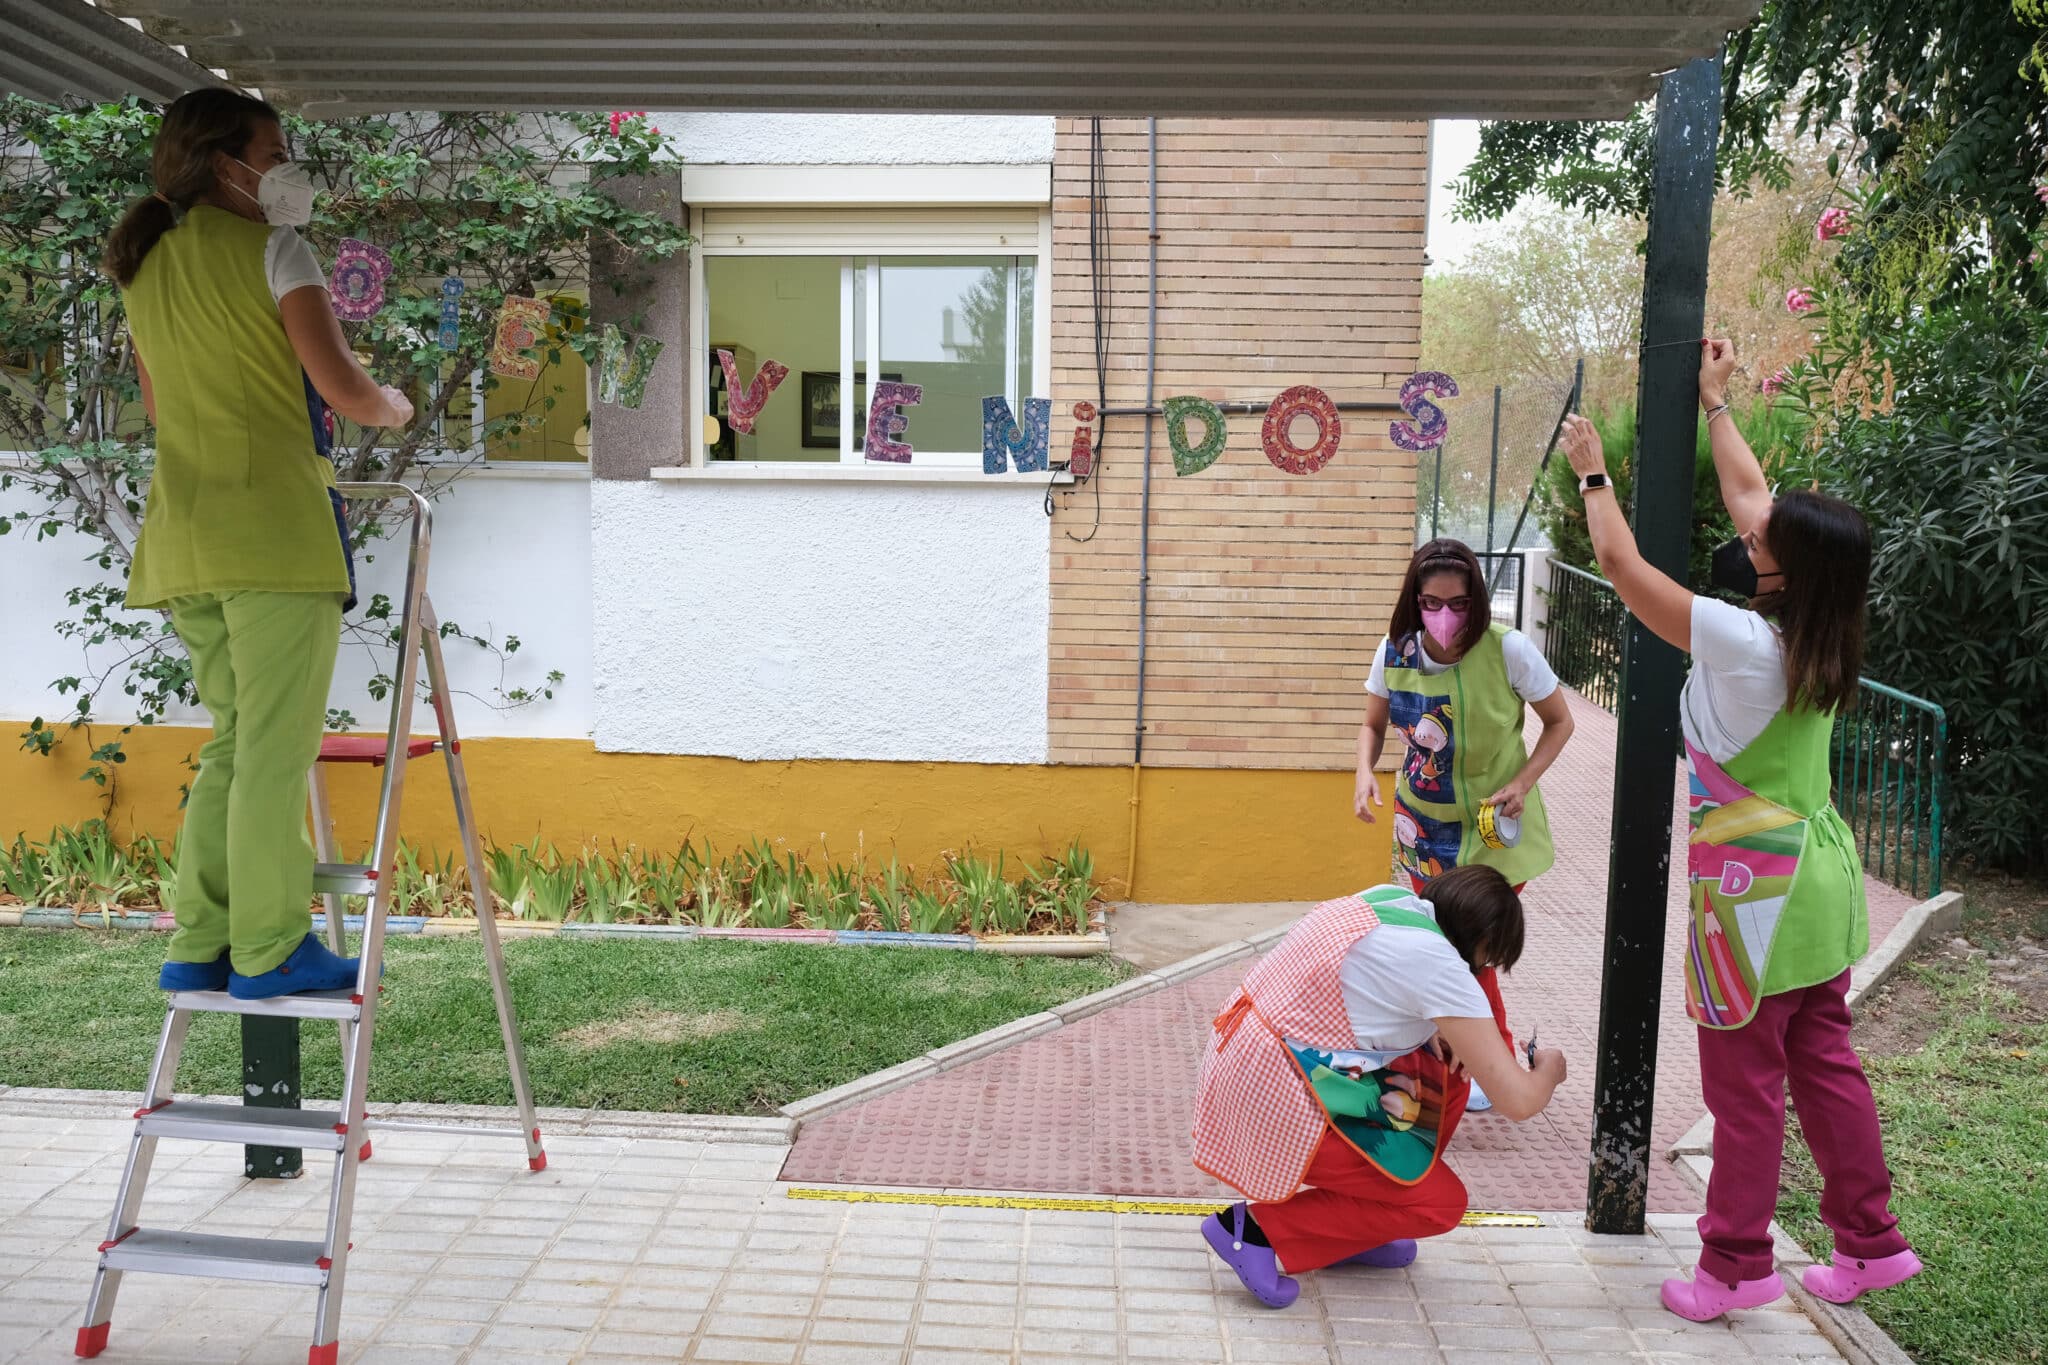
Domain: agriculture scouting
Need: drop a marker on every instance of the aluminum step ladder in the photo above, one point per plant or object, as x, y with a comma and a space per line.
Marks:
343, 1131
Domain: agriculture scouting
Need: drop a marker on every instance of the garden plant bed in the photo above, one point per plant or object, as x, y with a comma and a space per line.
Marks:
1956, 1047
711, 1028
87, 876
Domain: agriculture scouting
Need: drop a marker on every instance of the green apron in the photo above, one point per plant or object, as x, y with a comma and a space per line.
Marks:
1777, 901
238, 499
1464, 732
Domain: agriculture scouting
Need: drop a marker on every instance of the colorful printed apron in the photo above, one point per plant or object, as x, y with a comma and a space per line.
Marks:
1777, 899
1463, 728
1397, 1116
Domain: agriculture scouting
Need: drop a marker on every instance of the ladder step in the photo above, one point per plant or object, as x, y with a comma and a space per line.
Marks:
344, 879
308, 1005
216, 1257
199, 1121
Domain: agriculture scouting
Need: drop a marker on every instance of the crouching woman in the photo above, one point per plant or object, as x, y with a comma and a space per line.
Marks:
1337, 1074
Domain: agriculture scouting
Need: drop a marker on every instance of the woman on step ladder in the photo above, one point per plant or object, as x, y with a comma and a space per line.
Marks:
241, 541
1777, 910
1454, 684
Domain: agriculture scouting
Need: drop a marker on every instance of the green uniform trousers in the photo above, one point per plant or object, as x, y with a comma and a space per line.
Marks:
261, 662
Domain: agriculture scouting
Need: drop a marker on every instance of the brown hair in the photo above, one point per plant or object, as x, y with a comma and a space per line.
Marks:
195, 126
1477, 909
1822, 545
1442, 556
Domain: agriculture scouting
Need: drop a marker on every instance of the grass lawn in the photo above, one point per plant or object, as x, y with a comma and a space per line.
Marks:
717, 1028
1957, 1051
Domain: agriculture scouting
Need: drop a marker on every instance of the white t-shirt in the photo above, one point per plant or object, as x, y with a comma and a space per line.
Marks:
1737, 682
288, 263
1529, 673
1397, 981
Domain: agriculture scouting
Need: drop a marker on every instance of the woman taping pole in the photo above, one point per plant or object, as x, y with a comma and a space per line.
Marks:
1777, 912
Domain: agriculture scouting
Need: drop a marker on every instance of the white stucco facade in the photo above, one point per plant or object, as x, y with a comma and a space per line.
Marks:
511, 555
841, 620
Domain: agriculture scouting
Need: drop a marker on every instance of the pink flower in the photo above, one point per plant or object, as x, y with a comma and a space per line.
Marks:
2041, 192
619, 116
1833, 223
1800, 300
1776, 384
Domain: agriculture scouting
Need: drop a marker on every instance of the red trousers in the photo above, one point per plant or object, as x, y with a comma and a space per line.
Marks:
1802, 1038
1349, 1205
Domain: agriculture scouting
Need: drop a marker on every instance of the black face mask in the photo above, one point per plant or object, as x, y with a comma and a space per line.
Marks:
1733, 569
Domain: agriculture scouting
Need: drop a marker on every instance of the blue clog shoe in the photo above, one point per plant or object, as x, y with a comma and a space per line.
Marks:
312, 966
195, 976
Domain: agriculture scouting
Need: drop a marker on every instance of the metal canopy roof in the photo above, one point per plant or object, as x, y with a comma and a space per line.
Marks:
55, 50
1384, 59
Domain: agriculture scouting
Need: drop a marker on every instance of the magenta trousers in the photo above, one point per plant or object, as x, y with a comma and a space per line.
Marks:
1802, 1038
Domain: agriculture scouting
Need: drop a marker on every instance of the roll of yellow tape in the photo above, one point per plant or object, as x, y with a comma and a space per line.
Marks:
1497, 830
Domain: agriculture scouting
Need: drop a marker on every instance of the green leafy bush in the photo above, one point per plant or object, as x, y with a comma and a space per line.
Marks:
1954, 479
1773, 430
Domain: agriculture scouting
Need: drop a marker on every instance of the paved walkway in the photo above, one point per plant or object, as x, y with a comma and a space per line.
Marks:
1103, 1105
643, 1250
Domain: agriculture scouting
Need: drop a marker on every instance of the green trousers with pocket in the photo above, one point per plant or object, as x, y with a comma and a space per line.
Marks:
261, 662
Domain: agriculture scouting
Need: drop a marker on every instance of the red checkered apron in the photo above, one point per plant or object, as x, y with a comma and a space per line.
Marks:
1257, 1126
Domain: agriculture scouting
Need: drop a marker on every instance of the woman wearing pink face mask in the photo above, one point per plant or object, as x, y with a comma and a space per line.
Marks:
1455, 685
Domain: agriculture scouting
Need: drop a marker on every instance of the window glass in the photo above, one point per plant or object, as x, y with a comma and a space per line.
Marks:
786, 309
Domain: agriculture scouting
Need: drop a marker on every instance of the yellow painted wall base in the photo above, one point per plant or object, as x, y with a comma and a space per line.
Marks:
1203, 834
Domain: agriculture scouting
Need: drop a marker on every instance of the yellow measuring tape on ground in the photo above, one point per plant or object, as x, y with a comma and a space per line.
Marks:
1075, 1204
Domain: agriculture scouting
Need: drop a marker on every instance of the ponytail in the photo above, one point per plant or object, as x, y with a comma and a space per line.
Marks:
195, 126
147, 219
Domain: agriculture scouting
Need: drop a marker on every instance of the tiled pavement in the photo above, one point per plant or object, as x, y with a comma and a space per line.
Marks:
1103, 1105
635, 1249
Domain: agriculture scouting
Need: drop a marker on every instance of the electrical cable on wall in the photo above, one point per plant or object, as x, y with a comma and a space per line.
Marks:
1099, 288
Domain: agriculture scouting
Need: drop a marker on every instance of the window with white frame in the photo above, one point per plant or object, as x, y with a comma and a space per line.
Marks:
842, 298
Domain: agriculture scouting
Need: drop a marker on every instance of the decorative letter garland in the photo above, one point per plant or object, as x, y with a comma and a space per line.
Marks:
356, 286
1415, 396
1301, 400
1194, 459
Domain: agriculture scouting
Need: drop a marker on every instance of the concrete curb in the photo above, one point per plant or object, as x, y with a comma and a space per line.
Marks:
987, 1044
739, 1129
1861, 1341
1942, 914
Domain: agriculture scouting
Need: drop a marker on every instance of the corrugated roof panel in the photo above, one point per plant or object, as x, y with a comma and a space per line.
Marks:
61, 50
1385, 59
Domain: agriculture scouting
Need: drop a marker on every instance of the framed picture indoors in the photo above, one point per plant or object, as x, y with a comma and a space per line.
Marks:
821, 408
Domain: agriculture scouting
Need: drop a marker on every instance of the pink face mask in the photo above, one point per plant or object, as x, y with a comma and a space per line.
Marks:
1445, 625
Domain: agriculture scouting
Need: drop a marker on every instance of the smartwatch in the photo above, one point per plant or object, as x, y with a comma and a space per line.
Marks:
1592, 481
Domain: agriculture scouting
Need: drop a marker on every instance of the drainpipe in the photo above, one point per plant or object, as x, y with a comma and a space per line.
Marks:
1145, 487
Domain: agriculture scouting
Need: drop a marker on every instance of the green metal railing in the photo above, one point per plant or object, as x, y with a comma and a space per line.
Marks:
1888, 753
1583, 628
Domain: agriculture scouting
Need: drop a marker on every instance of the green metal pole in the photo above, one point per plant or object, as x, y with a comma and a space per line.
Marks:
1667, 414
270, 1080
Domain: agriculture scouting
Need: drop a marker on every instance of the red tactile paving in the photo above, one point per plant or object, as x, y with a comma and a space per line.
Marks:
1102, 1106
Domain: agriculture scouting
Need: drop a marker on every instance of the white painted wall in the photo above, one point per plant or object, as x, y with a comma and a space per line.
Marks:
828, 620
511, 554
858, 139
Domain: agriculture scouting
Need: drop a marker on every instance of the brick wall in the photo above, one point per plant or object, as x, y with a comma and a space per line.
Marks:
1289, 252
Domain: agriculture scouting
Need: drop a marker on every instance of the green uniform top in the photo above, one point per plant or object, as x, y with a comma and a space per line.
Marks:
1824, 926
238, 500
